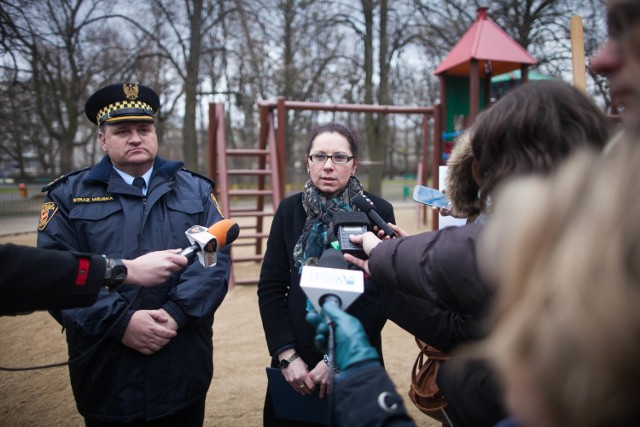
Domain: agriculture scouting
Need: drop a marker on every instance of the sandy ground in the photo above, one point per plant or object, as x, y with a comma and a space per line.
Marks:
44, 398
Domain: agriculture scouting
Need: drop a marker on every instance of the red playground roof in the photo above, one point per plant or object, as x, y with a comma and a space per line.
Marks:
490, 45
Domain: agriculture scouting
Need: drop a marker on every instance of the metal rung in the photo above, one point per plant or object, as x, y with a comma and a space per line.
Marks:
246, 281
249, 213
236, 243
250, 192
248, 258
246, 152
248, 172
252, 235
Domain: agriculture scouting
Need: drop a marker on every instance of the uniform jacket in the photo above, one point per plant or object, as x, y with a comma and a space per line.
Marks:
282, 301
442, 297
95, 211
37, 279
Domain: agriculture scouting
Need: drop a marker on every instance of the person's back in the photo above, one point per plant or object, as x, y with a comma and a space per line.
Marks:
568, 287
532, 130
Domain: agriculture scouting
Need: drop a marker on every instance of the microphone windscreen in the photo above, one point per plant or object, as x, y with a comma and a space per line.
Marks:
342, 218
225, 231
363, 203
332, 258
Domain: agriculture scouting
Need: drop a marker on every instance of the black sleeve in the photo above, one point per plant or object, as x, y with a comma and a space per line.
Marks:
443, 329
366, 397
41, 279
472, 390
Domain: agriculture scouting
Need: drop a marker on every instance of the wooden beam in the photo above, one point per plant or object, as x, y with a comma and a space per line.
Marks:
577, 54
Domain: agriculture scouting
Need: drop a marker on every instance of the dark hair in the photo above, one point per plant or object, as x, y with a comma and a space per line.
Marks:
334, 128
532, 129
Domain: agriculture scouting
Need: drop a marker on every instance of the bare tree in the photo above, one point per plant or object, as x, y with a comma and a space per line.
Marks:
63, 44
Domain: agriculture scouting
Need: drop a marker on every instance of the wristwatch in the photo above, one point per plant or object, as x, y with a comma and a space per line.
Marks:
114, 274
285, 362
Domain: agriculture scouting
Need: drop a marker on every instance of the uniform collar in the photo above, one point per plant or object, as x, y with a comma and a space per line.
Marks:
161, 167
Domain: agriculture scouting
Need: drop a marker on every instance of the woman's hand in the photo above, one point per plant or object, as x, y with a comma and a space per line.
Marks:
297, 373
399, 231
320, 376
368, 241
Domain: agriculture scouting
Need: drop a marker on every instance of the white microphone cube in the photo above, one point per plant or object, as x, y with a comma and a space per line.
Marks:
199, 235
319, 282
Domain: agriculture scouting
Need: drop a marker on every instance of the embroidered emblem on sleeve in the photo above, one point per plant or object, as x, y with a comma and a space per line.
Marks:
216, 204
47, 212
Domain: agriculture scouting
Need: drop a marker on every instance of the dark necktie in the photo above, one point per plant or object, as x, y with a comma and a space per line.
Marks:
139, 182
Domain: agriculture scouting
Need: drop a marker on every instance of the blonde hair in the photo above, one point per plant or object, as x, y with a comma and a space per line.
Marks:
565, 254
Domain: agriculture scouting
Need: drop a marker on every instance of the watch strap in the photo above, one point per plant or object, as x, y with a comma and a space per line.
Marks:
115, 273
284, 363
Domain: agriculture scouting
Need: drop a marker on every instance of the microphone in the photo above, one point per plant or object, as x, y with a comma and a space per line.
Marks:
331, 280
346, 223
207, 242
365, 204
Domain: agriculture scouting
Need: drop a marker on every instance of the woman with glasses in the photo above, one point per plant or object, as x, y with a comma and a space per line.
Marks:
300, 232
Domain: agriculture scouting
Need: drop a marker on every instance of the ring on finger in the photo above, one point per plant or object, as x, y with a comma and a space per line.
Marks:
302, 385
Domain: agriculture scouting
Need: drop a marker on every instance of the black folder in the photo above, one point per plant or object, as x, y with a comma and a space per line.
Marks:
291, 405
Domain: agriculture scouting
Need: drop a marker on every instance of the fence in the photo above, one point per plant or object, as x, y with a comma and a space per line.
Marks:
16, 199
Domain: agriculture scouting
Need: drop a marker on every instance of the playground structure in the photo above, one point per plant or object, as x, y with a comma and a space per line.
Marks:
269, 163
465, 73
484, 50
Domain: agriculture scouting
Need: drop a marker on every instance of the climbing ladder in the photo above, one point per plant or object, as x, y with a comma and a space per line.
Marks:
245, 179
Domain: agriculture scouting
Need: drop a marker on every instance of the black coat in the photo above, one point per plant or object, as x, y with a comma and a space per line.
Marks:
433, 289
282, 301
442, 299
366, 397
38, 279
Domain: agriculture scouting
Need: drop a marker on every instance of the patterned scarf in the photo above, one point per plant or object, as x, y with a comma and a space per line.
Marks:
320, 211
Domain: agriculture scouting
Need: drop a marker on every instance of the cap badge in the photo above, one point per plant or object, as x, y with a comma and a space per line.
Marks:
130, 91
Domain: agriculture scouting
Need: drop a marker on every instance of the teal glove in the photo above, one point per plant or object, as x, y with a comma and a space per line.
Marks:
352, 344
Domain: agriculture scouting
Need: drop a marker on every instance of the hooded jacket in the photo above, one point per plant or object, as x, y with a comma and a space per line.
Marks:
432, 284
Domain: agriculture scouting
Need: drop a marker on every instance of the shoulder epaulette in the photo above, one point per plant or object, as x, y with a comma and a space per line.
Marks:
206, 178
60, 179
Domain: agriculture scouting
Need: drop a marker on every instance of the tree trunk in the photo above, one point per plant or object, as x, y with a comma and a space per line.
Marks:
191, 84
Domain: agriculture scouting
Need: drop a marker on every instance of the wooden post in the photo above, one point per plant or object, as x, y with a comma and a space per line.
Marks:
211, 141
577, 54
474, 92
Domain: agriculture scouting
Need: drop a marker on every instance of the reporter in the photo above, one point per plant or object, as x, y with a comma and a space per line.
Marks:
41, 279
432, 286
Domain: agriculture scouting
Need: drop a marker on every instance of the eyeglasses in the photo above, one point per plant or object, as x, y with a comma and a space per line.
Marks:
338, 159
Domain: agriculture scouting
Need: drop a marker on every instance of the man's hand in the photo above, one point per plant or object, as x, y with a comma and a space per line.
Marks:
147, 331
170, 323
153, 268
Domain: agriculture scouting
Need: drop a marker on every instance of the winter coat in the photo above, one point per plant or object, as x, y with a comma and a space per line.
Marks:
433, 289
438, 268
283, 302
37, 279
95, 211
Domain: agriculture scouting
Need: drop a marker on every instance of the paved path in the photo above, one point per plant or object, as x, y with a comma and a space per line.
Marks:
18, 224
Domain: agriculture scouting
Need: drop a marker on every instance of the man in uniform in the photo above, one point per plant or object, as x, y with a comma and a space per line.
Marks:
156, 363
